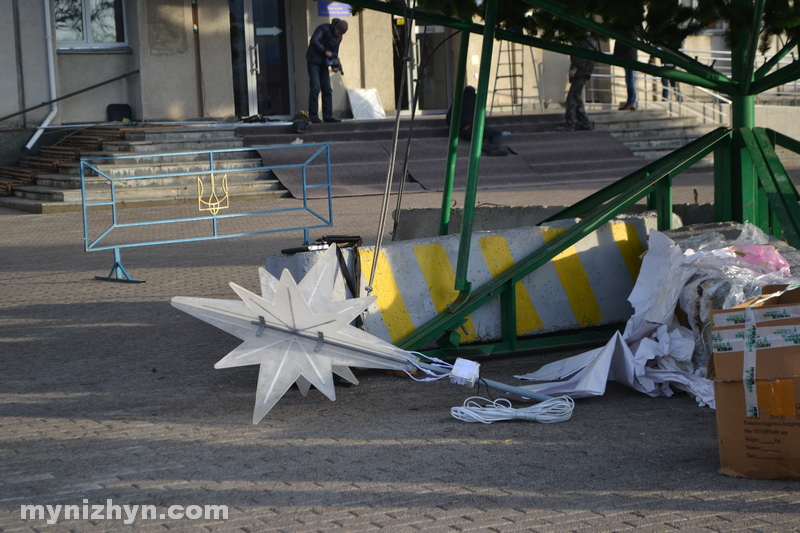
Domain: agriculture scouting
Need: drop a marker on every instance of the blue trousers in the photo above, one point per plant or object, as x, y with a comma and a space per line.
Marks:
319, 79
630, 84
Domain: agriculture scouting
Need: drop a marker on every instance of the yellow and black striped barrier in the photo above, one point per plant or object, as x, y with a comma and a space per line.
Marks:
586, 285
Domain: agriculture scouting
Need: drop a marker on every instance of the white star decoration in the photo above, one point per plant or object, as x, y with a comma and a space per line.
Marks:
291, 342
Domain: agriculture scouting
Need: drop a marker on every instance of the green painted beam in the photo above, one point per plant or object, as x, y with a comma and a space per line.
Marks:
667, 56
781, 192
764, 69
475, 150
452, 319
714, 82
750, 46
723, 158
781, 76
452, 142
585, 338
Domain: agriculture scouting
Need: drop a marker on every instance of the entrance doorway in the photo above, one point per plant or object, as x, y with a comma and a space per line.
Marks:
262, 74
432, 66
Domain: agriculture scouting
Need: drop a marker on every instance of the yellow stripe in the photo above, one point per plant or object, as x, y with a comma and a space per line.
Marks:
440, 277
498, 258
390, 301
627, 238
575, 282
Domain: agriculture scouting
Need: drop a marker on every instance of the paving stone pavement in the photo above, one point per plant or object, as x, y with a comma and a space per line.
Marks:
109, 394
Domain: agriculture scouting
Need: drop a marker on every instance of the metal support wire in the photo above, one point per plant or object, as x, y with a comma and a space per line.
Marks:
404, 177
393, 154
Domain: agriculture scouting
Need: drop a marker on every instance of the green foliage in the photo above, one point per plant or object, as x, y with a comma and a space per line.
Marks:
663, 23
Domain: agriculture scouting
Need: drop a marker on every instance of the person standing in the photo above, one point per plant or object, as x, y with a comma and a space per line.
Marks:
580, 70
323, 52
623, 51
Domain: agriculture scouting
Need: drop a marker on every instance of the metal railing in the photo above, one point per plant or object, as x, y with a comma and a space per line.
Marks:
687, 100
202, 205
786, 94
677, 100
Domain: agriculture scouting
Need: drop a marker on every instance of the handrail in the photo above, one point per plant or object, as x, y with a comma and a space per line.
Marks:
683, 104
75, 93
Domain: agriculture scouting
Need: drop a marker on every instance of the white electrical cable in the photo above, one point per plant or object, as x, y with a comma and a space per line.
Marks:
547, 412
444, 368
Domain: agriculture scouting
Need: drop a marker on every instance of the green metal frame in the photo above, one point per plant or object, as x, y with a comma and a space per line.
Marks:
750, 183
595, 211
777, 211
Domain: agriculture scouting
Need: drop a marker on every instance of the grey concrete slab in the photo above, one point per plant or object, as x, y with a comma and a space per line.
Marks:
109, 393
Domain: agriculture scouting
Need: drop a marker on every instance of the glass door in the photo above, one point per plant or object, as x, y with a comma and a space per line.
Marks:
433, 67
260, 57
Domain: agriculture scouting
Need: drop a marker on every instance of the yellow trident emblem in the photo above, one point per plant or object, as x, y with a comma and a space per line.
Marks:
213, 203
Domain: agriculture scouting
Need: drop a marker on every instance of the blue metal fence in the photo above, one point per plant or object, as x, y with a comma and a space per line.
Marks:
214, 199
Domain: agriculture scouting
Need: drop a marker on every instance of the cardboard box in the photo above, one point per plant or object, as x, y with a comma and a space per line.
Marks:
756, 372
775, 307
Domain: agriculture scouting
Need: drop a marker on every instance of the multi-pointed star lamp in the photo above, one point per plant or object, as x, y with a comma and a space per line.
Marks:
297, 333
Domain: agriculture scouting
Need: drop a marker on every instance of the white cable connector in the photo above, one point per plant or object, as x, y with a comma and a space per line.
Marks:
547, 412
465, 372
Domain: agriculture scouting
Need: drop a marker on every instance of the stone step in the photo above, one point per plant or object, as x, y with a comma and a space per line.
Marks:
104, 132
62, 153
181, 134
84, 141
151, 195
48, 194
158, 168
145, 166
123, 159
657, 153
678, 132
19, 173
656, 144
38, 162
73, 181
172, 146
37, 207
634, 123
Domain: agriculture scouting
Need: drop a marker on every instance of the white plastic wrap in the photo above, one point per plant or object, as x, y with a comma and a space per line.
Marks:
656, 353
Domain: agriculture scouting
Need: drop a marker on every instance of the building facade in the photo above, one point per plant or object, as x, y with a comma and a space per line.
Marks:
176, 60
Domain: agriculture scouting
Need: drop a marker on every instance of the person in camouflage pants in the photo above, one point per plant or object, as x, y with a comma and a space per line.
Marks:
580, 70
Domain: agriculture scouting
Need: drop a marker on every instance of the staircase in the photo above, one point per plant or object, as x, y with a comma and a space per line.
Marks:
651, 134
50, 182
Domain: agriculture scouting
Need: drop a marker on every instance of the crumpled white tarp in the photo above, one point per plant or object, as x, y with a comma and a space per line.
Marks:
655, 354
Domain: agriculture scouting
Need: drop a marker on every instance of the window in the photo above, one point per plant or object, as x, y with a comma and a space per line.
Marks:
89, 23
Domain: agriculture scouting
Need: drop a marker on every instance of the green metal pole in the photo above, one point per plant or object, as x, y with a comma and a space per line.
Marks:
476, 144
452, 144
723, 162
748, 65
742, 181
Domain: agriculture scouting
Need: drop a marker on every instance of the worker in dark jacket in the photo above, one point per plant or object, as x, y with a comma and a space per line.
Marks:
492, 138
580, 70
322, 53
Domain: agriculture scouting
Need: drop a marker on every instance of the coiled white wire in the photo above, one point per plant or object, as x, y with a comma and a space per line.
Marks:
547, 412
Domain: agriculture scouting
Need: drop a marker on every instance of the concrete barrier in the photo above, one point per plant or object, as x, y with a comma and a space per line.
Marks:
586, 285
